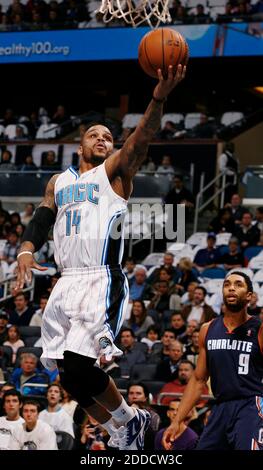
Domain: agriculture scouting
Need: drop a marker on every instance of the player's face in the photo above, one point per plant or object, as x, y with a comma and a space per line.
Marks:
97, 144
235, 293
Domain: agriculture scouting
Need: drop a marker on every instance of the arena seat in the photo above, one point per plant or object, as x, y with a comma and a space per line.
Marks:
213, 285
231, 117
64, 440
213, 273
28, 331
6, 354
223, 238
154, 386
198, 238
256, 263
48, 131
252, 251
258, 276
142, 372
154, 259
131, 120
176, 118
192, 119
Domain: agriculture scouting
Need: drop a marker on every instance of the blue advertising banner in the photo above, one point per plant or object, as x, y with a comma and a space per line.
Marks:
122, 43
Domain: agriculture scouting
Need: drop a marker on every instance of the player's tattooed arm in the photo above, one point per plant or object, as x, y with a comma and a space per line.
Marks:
35, 235
128, 160
49, 198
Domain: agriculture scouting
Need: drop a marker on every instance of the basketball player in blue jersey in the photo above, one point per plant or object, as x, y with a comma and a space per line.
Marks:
85, 310
231, 348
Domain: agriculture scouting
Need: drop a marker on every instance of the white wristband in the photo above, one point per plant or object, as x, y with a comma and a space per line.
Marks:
24, 253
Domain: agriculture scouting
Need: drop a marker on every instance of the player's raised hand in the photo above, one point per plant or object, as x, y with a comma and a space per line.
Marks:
25, 263
166, 85
169, 435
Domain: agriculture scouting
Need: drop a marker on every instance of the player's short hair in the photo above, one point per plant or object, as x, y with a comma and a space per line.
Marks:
245, 277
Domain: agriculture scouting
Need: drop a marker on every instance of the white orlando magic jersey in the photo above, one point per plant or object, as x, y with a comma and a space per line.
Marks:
88, 228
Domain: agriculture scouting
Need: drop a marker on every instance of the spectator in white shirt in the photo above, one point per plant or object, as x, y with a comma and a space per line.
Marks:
36, 319
33, 434
11, 405
55, 415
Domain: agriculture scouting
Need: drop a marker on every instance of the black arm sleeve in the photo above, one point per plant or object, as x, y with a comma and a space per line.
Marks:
37, 230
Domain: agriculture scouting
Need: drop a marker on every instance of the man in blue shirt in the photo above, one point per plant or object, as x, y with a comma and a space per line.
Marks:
207, 257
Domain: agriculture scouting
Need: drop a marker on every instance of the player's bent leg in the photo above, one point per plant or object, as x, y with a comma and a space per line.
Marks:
133, 422
87, 383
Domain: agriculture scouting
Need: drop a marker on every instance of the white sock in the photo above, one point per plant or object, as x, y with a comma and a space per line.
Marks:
110, 426
123, 413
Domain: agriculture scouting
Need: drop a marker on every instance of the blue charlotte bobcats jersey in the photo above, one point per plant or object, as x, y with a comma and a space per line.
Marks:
234, 360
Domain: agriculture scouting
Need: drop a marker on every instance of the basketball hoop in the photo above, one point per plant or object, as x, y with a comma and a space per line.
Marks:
136, 12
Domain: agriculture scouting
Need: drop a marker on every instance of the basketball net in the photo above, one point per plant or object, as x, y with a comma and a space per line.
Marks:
136, 12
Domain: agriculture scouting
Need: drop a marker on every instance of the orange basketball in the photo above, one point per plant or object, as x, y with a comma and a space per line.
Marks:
160, 48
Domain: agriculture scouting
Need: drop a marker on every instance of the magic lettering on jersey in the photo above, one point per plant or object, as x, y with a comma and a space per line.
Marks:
79, 192
236, 345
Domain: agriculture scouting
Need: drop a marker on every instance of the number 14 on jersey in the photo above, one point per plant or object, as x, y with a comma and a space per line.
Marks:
73, 219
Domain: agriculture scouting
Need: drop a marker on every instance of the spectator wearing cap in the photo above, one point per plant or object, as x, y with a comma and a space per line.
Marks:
207, 257
3, 327
139, 289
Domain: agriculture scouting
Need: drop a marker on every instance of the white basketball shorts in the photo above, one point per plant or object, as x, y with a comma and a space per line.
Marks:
84, 313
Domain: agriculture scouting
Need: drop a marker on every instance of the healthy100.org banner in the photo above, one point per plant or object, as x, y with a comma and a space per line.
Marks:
122, 43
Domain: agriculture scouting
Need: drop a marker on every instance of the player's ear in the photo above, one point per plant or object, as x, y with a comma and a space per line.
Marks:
80, 151
249, 295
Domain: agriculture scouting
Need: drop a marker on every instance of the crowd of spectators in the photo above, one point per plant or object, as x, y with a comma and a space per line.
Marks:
168, 304
37, 15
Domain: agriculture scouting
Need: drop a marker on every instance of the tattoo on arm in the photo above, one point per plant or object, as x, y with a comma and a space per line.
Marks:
49, 198
143, 135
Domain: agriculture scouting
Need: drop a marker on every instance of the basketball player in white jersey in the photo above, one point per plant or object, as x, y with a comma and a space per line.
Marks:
85, 310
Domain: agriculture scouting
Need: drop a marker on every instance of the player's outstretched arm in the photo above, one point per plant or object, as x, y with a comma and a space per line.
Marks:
35, 235
192, 392
128, 160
